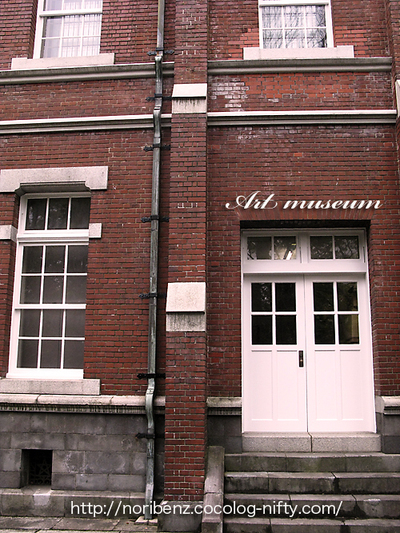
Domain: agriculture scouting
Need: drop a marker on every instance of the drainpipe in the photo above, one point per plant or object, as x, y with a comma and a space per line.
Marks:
154, 219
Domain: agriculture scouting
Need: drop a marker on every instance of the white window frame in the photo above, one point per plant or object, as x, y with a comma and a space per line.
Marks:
279, 3
40, 237
42, 14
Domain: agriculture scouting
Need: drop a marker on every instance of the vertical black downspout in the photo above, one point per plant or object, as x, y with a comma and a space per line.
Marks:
155, 214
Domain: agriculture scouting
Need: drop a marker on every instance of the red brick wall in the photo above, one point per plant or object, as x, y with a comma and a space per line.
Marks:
358, 23
300, 91
17, 24
117, 318
301, 163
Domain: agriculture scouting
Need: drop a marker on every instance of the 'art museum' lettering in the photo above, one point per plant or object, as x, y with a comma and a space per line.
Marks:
255, 201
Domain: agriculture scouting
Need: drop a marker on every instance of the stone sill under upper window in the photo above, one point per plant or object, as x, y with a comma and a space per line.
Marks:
23, 63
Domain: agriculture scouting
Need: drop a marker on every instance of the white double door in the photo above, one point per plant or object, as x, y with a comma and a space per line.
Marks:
307, 362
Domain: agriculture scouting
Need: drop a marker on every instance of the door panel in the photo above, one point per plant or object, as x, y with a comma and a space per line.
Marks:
328, 320
273, 383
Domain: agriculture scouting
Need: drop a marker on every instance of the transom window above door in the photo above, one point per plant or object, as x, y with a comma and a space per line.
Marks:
310, 250
295, 24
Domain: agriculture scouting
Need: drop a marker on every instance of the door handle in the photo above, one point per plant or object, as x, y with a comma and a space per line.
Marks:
301, 358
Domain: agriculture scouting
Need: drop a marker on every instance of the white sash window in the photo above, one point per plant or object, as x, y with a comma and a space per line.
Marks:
47, 338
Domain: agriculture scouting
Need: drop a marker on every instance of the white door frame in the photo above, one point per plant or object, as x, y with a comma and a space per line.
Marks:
263, 399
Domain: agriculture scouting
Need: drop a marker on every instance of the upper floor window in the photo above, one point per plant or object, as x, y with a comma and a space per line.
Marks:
295, 24
68, 28
47, 337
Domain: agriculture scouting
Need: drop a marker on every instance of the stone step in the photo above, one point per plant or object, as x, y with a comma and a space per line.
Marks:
315, 505
312, 462
311, 442
278, 525
312, 482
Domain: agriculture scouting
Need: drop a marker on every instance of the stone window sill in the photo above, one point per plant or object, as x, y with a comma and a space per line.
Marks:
339, 52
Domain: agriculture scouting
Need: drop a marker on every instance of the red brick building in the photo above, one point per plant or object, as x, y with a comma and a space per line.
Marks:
206, 194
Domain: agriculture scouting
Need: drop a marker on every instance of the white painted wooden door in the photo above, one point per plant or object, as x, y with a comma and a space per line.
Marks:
307, 354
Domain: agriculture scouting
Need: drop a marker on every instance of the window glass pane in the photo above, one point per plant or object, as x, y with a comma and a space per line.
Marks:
29, 323
295, 39
324, 329
285, 297
273, 39
316, 38
259, 247
52, 27
347, 296
52, 5
36, 214
30, 290
32, 260
284, 247
27, 353
323, 296
261, 329
80, 212
315, 16
293, 17
55, 258
286, 329
73, 354
53, 289
321, 247
76, 290
72, 4
272, 17
52, 323
51, 354
347, 247
58, 213
77, 259
348, 329
261, 297
75, 326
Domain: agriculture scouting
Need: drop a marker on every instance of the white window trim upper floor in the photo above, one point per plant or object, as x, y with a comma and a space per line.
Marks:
328, 52
62, 59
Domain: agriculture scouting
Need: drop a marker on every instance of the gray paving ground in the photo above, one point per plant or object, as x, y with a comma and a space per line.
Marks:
9, 524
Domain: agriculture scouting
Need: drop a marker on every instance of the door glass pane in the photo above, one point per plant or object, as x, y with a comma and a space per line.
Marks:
36, 214
284, 248
58, 213
323, 296
55, 256
259, 247
321, 247
347, 248
348, 329
286, 329
261, 297
285, 297
324, 329
261, 329
347, 296
32, 261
